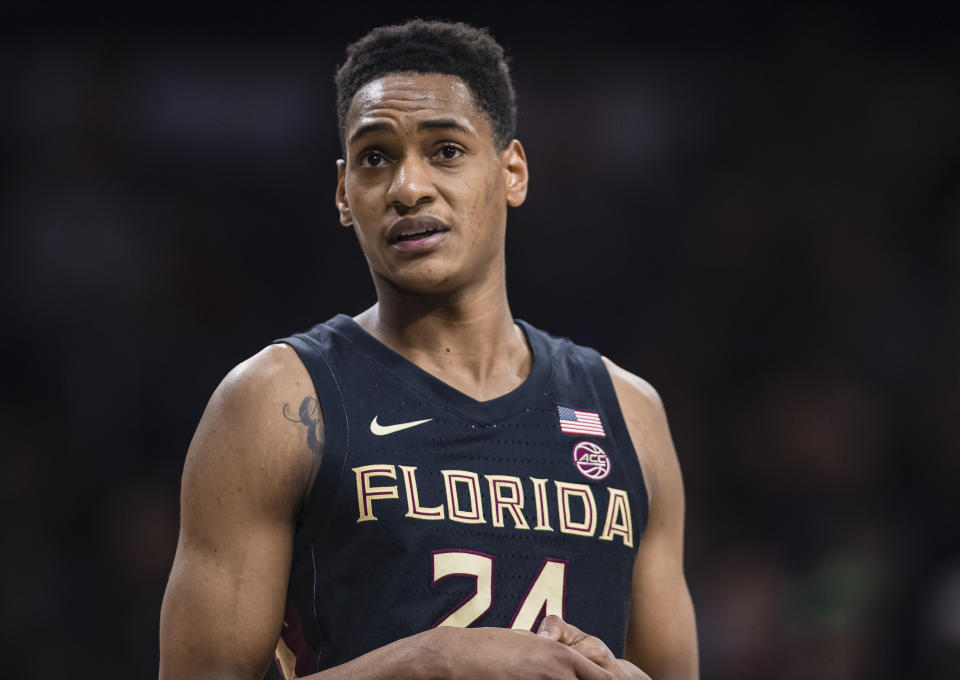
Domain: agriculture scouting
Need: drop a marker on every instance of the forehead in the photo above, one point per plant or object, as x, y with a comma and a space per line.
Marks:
408, 98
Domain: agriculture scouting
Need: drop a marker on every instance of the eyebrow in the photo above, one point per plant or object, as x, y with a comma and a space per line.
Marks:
444, 124
367, 129
435, 124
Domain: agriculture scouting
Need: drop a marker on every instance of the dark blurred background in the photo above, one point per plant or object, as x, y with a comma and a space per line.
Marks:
754, 206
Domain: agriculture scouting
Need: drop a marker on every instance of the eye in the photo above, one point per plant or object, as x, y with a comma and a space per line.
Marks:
449, 152
371, 159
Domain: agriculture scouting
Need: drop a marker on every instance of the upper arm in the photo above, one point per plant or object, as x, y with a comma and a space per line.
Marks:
662, 636
247, 471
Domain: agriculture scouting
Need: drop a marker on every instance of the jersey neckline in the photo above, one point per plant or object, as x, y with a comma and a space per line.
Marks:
478, 412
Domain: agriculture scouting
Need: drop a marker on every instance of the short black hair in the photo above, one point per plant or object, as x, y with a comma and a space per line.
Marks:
420, 46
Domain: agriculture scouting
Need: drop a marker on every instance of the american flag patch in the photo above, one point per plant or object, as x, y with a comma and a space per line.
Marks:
573, 421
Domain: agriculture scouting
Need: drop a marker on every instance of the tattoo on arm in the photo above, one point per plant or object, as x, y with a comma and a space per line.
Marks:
309, 416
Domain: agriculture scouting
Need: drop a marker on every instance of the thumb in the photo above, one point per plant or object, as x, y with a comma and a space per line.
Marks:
551, 627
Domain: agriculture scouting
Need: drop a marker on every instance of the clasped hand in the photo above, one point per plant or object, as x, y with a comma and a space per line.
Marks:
559, 651
594, 649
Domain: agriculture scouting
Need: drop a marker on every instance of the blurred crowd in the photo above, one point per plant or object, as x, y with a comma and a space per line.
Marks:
759, 214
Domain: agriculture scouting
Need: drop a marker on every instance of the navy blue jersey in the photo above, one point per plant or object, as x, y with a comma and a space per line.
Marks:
432, 508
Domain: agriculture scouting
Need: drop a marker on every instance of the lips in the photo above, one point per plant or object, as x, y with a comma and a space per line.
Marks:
415, 229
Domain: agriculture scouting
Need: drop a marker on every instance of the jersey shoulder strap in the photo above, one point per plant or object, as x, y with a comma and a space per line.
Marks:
315, 347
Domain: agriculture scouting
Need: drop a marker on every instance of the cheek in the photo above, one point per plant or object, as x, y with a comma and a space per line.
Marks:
361, 225
367, 189
362, 211
487, 209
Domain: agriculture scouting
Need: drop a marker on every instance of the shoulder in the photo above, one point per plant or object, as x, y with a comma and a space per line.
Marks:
268, 371
646, 420
641, 406
262, 425
262, 396
637, 397
257, 392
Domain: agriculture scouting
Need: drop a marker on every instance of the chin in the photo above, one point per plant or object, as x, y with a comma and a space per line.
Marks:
422, 278
427, 287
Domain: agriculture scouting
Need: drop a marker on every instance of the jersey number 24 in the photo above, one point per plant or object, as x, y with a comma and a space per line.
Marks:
545, 594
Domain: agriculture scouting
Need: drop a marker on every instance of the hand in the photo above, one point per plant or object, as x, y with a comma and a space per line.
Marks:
508, 654
555, 628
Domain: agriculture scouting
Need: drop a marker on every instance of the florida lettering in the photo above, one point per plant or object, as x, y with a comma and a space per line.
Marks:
500, 500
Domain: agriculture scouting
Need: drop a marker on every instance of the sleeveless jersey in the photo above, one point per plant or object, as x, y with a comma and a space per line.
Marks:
431, 508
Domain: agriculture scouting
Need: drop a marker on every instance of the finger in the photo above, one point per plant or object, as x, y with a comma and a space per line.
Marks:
585, 669
564, 632
551, 627
595, 650
555, 628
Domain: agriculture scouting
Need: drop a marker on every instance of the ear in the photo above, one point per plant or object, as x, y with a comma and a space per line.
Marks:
513, 161
343, 206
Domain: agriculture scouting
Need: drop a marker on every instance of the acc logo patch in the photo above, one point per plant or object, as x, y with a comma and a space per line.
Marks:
591, 460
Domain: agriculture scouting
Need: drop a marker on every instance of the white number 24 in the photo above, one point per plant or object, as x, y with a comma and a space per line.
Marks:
545, 595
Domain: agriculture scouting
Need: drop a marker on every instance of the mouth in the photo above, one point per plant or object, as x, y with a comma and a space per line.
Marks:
410, 232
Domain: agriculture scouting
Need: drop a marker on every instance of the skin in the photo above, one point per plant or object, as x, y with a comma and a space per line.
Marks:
444, 309
417, 147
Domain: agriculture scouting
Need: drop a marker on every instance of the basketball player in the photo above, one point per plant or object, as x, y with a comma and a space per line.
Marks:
430, 489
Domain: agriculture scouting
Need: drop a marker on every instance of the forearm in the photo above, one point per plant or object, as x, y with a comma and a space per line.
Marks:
665, 645
467, 653
410, 658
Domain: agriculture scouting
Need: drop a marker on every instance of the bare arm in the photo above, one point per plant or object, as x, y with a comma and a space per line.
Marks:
662, 636
249, 468
246, 473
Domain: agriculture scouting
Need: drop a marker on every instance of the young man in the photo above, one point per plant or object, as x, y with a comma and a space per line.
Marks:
430, 489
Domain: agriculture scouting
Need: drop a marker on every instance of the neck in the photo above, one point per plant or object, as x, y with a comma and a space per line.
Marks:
467, 339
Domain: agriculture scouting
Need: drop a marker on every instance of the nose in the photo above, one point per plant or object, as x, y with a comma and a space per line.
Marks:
411, 184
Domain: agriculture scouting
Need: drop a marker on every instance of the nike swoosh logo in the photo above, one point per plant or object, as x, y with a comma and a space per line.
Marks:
381, 430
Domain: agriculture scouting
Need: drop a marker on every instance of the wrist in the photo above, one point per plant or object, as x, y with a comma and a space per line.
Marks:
429, 654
